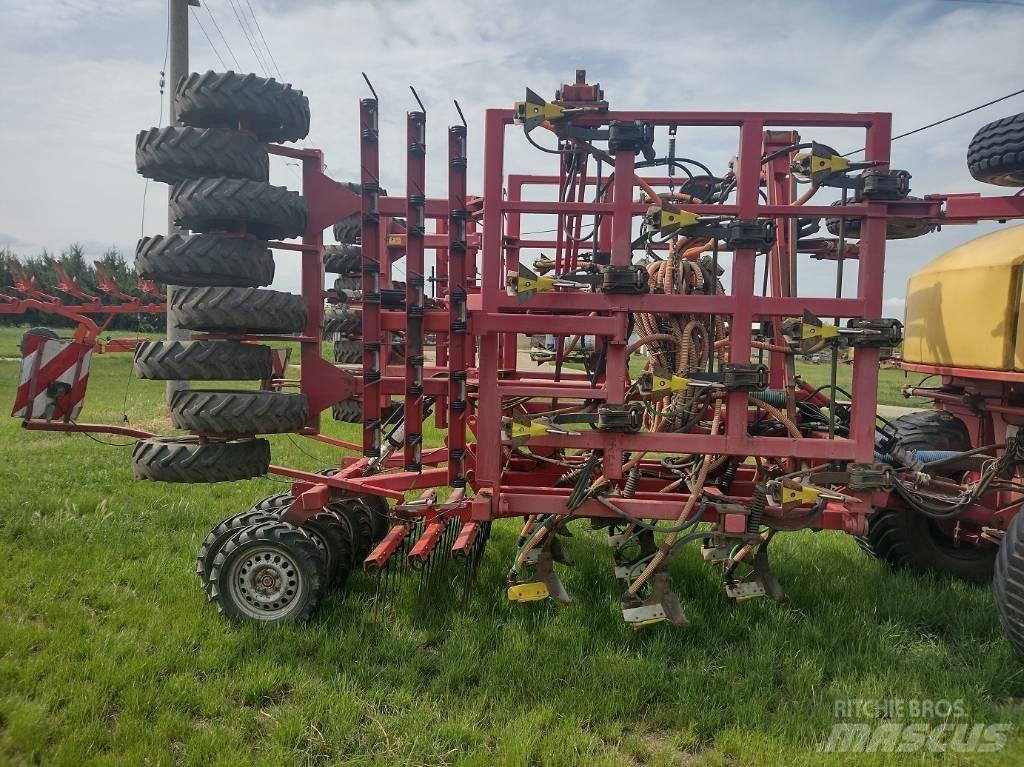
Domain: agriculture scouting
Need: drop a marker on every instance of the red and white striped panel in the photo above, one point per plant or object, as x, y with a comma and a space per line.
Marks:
54, 375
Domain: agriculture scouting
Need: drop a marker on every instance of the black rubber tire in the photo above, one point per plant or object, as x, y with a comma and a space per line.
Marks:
204, 260
360, 521
215, 411
1008, 584
348, 351
230, 204
906, 539
203, 361
379, 514
216, 538
348, 230
295, 553
272, 503
238, 309
348, 411
185, 459
342, 320
343, 259
271, 110
335, 535
173, 153
895, 229
996, 153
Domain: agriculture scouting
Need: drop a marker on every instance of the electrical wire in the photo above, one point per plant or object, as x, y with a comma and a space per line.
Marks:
946, 119
208, 40
264, 39
245, 33
160, 119
209, 10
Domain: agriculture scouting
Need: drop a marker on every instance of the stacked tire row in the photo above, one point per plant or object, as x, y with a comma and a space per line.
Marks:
221, 193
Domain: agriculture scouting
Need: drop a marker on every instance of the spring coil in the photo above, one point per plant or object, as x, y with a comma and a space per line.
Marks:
632, 482
728, 474
570, 477
758, 504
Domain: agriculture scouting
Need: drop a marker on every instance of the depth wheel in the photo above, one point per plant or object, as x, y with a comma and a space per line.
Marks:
238, 309
215, 204
205, 259
238, 412
343, 259
348, 351
269, 573
203, 361
174, 154
187, 460
996, 153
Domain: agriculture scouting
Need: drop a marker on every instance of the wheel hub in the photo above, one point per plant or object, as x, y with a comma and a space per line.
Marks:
266, 583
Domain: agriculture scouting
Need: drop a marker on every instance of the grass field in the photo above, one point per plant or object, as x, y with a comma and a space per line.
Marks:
109, 654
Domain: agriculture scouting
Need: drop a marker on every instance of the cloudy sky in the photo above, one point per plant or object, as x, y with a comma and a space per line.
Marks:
81, 78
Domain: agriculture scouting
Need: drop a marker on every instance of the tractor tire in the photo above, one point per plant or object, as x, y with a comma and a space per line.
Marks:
174, 154
238, 412
270, 110
895, 229
360, 521
186, 459
348, 230
273, 503
348, 351
204, 260
333, 535
203, 361
238, 309
270, 573
996, 153
217, 537
906, 539
343, 259
1008, 584
216, 204
380, 514
342, 320
348, 411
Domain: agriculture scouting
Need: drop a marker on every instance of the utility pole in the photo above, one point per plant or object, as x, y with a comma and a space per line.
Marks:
178, 55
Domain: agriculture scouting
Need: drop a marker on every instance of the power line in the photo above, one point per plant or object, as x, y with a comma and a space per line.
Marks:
265, 44
212, 48
947, 119
245, 33
213, 18
160, 119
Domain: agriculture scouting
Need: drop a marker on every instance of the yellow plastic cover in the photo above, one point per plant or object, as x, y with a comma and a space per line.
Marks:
963, 309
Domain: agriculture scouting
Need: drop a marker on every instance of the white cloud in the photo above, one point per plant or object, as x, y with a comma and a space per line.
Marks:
72, 106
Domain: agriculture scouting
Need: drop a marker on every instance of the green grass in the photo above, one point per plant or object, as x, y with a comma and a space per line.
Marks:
110, 655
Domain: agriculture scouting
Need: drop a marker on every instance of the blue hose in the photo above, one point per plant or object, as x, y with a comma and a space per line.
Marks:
924, 456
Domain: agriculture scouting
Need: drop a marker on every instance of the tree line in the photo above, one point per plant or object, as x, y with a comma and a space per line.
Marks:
75, 263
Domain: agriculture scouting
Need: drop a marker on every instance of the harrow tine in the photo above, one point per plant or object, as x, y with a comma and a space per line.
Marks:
379, 562
468, 548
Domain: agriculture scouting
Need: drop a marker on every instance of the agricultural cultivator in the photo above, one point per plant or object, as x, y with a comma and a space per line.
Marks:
666, 410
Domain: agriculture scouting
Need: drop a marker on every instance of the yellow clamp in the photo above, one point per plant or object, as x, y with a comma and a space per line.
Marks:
535, 110
519, 429
810, 331
531, 591
526, 283
797, 494
669, 219
822, 163
663, 382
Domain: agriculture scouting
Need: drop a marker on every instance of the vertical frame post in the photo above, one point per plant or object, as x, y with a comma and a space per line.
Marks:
459, 335
369, 154
416, 124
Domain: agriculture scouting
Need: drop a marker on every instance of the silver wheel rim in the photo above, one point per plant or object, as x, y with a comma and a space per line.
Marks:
265, 583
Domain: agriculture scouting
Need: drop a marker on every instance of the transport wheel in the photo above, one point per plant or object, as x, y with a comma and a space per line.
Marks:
1008, 584
174, 154
895, 229
348, 411
271, 110
217, 537
186, 459
380, 514
203, 361
907, 539
996, 153
343, 320
348, 351
343, 259
272, 503
213, 204
269, 573
360, 521
238, 309
205, 259
238, 412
